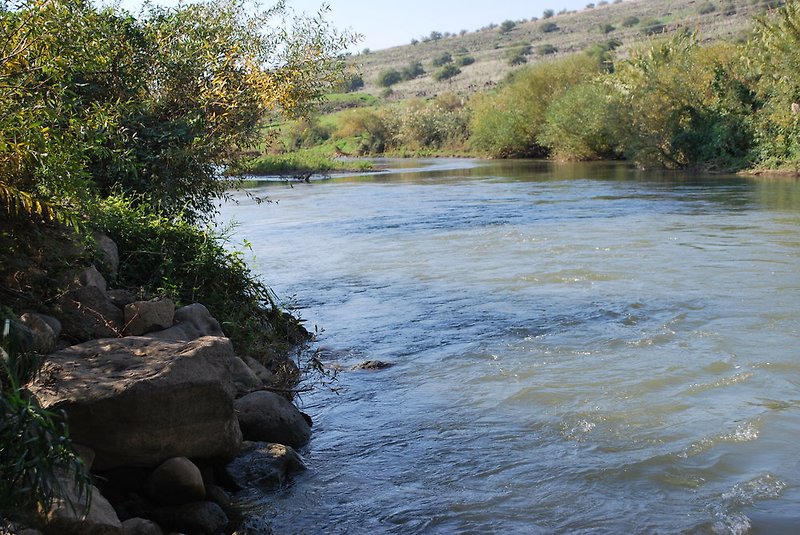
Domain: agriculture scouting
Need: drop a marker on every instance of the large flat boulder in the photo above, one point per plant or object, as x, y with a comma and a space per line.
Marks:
268, 417
138, 401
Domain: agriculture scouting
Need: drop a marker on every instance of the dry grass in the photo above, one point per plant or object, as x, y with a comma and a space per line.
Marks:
576, 31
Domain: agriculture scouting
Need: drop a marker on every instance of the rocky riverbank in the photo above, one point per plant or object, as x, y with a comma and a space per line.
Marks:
169, 420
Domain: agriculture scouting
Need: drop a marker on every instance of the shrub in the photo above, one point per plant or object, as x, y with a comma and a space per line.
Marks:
546, 49
651, 26
389, 77
548, 13
351, 82
463, 61
446, 72
412, 71
549, 27
442, 59
630, 21
706, 8
607, 28
507, 26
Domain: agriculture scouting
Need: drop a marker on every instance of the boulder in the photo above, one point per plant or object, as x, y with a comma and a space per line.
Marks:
44, 329
90, 277
138, 401
176, 481
68, 517
87, 313
110, 253
200, 518
140, 526
142, 317
219, 496
268, 417
260, 370
372, 365
191, 322
244, 378
262, 465
121, 297
87, 456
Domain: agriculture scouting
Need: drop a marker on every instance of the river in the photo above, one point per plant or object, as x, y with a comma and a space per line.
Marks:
577, 348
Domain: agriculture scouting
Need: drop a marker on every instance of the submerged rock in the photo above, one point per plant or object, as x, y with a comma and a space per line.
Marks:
263, 465
268, 417
371, 365
138, 401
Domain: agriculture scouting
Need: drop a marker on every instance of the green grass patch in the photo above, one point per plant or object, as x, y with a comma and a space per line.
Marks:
303, 162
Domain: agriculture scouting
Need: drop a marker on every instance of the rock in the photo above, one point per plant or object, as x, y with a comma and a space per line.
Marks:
87, 313
42, 330
87, 456
138, 401
67, 516
142, 317
90, 277
176, 481
108, 248
244, 378
30, 531
191, 322
263, 465
200, 518
140, 526
121, 298
219, 496
372, 365
268, 417
260, 370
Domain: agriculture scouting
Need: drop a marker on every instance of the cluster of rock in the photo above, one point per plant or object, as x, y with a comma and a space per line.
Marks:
162, 409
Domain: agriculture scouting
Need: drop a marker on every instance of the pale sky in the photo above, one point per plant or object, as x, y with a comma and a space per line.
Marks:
384, 24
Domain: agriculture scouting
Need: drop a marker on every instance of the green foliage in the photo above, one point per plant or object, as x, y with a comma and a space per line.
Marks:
463, 61
509, 123
507, 25
389, 77
36, 455
580, 124
302, 163
446, 72
546, 49
630, 21
548, 13
442, 59
192, 265
412, 71
549, 27
351, 82
516, 56
607, 28
651, 26
706, 8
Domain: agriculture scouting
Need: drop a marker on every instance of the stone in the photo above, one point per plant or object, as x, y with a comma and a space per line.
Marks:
142, 317
110, 252
67, 516
87, 313
219, 496
199, 518
87, 456
121, 297
244, 378
138, 401
372, 365
262, 465
260, 370
268, 417
176, 481
190, 323
140, 526
42, 330
90, 277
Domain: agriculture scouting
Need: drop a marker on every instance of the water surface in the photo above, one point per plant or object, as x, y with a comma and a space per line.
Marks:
577, 349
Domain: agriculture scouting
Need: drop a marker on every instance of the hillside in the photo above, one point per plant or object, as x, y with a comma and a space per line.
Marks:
628, 22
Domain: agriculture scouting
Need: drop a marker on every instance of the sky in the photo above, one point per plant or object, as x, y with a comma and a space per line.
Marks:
385, 24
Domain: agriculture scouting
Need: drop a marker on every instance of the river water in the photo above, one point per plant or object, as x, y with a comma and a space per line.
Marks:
577, 349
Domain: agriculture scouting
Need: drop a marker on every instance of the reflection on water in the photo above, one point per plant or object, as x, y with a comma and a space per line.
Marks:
579, 348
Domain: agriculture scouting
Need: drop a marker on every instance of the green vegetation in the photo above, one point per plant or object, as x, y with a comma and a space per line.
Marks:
136, 127
446, 72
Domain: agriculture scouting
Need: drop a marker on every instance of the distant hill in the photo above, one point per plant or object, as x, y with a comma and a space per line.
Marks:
491, 48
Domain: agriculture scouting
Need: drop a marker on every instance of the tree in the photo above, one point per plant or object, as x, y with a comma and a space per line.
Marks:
507, 26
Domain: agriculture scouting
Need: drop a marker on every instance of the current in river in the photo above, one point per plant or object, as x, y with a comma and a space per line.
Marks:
576, 348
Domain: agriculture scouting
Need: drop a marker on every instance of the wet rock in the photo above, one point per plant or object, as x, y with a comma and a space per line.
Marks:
262, 465
140, 526
371, 365
200, 518
268, 417
176, 481
138, 401
142, 317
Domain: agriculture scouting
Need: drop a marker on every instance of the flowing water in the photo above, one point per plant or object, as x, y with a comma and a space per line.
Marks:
576, 349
